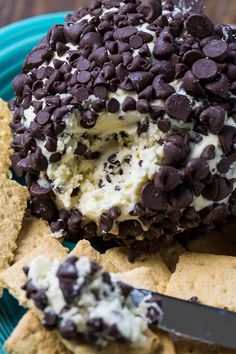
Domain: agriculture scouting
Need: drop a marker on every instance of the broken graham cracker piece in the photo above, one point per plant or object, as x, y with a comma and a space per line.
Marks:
118, 257
29, 337
84, 248
34, 233
13, 277
221, 241
209, 277
13, 201
5, 138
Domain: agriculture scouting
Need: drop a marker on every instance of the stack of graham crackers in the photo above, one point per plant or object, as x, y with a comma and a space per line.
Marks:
205, 268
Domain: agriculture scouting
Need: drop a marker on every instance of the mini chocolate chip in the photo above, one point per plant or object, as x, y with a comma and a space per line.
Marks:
105, 223
68, 269
192, 85
40, 299
43, 208
81, 94
181, 197
223, 166
216, 49
208, 152
100, 91
143, 106
205, 69
19, 83
68, 330
129, 104
84, 77
197, 169
113, 105
130, 229
164, 45
167, 178
38, 161
98, 105
176, 149
44, 193
83, 64
213, 214
114, 212
124, 33
152, 198
55, 157
178, 107
150, 9
227, 137
219, 87
214, 118
50, 321
191, 56
140, 79
51, 144
88, 119
142, 127
43, 117
73, 223
164, 125
136, 41
161, 88
199, 26
80, 149
219, 189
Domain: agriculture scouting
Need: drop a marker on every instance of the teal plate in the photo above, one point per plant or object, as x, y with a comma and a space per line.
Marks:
16, 40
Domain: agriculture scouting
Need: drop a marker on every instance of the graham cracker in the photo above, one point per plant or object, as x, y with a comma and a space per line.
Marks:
5, 138
29, 337
221, 241
160, 273
13, 278
209, 277
167, 345
33, 234
13, 201
84, 248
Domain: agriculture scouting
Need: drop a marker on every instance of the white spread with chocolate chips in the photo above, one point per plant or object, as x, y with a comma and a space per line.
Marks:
94, 297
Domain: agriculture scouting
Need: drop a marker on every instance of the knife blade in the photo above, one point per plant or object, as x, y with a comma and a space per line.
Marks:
194, 321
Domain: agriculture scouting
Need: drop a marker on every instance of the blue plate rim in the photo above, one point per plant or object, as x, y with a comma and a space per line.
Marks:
25, 22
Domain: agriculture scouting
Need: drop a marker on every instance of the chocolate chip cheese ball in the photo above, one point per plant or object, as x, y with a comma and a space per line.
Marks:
124, 123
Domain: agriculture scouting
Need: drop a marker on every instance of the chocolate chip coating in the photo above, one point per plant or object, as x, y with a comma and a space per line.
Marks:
152, 198
167, 178
178, 107
199, 26
204, 69
127, 110
216, 49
